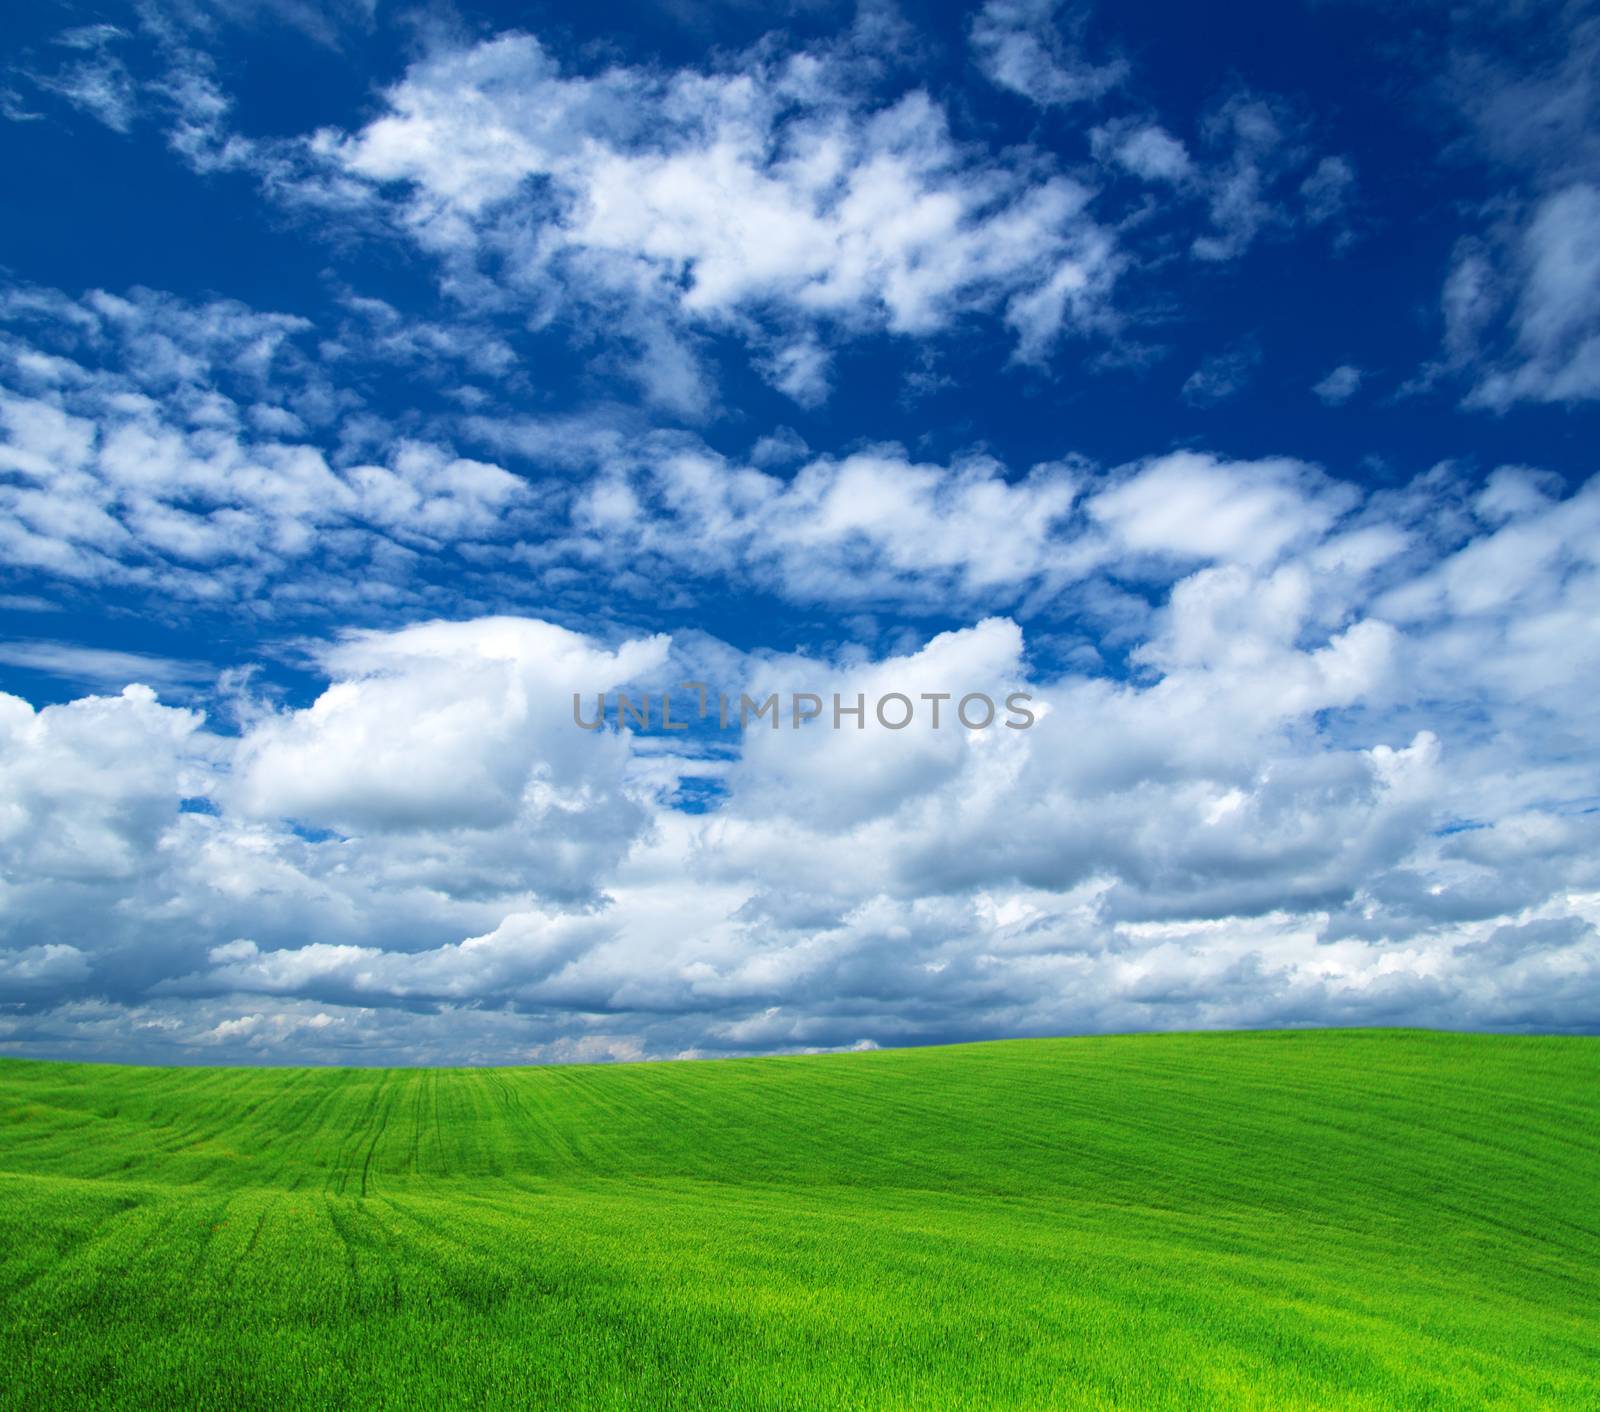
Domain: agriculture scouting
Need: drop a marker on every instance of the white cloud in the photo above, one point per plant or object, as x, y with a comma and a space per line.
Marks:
1145, 149
1555, 314
103, 667
445, 725
1258, 824
1239, 199
1340, 770
194, 453
1521, 299
92, 785
1193, 506
198, 449
1339, 386
708, 199
799, 370
1020, 45
1328, 189
525, 949
1532, 105
872, 526
97, 82
793, 198
1248, 171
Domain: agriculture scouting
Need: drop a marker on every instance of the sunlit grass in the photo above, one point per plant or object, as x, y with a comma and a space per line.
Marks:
1335, 1219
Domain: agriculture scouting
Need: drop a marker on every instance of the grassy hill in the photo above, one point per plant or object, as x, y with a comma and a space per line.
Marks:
1330, 1219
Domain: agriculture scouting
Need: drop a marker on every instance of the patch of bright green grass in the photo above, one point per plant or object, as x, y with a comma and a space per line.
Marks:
1338, 1219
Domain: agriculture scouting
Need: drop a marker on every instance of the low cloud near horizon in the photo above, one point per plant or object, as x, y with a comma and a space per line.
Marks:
1258, 826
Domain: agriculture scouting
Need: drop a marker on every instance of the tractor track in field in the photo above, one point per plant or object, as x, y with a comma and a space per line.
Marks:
96, 1236
249, 1248
363, 1136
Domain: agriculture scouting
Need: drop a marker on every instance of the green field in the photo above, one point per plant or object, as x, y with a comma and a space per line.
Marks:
1321, 1219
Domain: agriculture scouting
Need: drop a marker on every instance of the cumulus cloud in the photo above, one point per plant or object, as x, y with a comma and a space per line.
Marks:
878, 527
873, 525
790, 198
1255, 824
1301, 751
702, 199
1190, 505
444, 726
197, 452
197, 448
92, 784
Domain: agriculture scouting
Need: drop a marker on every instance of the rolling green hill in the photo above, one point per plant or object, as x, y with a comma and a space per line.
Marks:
1324, 1219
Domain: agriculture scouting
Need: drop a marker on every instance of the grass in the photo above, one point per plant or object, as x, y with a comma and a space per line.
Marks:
1335, 1219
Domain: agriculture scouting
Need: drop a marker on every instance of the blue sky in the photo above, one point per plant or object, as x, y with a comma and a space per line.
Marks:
372, 379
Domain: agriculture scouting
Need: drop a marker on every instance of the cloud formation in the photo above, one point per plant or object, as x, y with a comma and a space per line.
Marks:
1521, 299
1024, 46
777, 192
1255, 826
199, 453
1339, 386
778, 369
